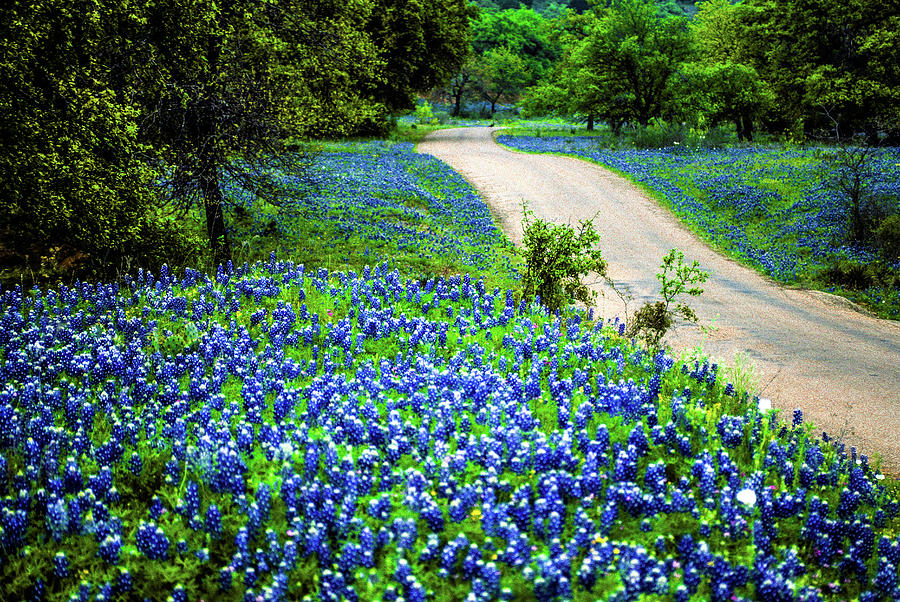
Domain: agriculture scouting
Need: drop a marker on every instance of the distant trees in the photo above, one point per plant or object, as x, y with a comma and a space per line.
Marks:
624, 67
502, 73
633, 53
721, 82
420, 45
510, 50
831, 65
820, 68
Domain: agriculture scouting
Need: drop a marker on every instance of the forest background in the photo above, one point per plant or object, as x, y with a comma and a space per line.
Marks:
120, 119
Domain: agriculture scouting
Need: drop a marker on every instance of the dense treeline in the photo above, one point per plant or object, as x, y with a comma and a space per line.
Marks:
803, 68
115, 116
553, 7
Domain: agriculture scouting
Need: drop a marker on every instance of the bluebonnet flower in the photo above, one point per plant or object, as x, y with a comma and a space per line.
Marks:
61, 565
152, 541
57, 518
110, 548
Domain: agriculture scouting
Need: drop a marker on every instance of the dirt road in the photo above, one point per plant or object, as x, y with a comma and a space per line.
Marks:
810, 350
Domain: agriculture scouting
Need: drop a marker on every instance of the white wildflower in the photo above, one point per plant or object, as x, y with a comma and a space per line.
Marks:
746, 497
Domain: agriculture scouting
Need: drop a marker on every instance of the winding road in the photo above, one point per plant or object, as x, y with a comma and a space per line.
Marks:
810, 350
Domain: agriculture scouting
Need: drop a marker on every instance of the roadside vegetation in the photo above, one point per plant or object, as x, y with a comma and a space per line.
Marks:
250, 350
342, 429
806, 216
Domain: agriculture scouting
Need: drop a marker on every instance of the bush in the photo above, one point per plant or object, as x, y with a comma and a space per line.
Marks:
887, 237
848, 274
652, 321
859, 277
424, 114
556, 260
658, 135
442, 117
164, 242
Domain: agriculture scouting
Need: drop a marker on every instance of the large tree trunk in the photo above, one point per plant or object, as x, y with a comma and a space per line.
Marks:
739, 127
590, 122
215, 215
457, 103
748, 128
459, 89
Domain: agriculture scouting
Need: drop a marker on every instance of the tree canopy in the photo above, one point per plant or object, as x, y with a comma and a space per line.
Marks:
71, 173
111, 108
813, 68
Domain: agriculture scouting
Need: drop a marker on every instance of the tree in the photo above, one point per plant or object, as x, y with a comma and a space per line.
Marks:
225, 83
460, 85
102, 101
71, 169
726, 92
421, 45
829, 63
881, 80
569, 88
523, 32
501, 73
632, 55
851, 175
722, 82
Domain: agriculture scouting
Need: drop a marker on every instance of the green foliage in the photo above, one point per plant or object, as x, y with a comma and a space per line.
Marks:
424, 114
831, 65
501, 73
521, 30
71, 172
621, 65
726, 91
557, 259
856, 276
511, 49
652, 321
420, 45
887, 237
118, 110
659, 135
849, 274
166, 241
823, 68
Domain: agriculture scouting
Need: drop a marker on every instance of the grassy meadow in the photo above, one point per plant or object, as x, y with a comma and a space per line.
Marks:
362, 407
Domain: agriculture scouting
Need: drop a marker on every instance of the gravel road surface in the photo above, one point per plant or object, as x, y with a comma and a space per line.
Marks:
810, 350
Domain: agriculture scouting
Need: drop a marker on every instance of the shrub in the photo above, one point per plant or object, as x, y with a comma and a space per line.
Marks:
557, 259
857, 276
849, 274
652, 321
164, 242
424, 114
658, 135
887, 237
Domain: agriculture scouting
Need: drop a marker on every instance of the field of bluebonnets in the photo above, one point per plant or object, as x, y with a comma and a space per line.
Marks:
275, 431
769, 207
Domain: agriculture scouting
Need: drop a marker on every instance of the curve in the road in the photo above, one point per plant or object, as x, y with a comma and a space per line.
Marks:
811, 350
